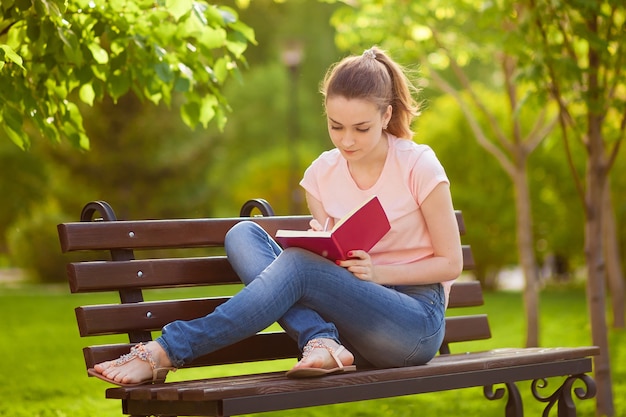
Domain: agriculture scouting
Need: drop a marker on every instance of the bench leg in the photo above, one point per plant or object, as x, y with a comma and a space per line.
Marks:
514, 406
563, 395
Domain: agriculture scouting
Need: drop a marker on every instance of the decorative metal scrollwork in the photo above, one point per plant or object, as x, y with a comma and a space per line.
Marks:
514, 406
563, 395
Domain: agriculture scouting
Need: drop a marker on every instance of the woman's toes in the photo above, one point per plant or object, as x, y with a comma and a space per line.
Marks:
101, 367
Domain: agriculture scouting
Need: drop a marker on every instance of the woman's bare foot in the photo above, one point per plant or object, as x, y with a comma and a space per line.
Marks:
136, 367
321, 357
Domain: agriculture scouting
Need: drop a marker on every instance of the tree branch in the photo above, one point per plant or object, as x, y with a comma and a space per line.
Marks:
540, 131
565, 117
615, 151
481, 138
465, 82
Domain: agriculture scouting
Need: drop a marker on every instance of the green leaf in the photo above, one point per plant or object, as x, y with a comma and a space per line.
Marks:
13, 121
228, 16
198, 11
245, 30
20, 139
87, 94
182, 84
164, 72
99, 54
220, 119
213, 38
179, 8
220, 70
70, 45
12, 56
33, 29
119, 84
190, 113
213, 16
73, 126
207, 110
236, 44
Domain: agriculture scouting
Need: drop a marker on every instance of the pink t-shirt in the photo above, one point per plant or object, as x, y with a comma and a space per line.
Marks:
410, 173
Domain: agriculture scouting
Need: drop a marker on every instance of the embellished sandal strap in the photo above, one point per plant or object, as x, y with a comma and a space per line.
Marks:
319, 344
139, 351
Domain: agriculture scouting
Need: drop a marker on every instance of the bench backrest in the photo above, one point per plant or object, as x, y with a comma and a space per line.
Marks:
147, 239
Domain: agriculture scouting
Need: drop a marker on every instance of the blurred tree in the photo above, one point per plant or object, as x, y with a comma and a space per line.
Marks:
56, 53
143, 161
576, 52
443, 127
259, 124
22, 185
572, 52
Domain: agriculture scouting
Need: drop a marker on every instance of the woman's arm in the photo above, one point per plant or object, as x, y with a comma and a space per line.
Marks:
446, 262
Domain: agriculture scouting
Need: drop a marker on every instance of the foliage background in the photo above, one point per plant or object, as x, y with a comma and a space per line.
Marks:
148, 164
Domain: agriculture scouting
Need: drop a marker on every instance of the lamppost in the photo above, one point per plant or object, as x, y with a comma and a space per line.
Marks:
292, 57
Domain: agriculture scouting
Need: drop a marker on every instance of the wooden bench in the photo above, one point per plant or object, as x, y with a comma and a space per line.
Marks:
254, 393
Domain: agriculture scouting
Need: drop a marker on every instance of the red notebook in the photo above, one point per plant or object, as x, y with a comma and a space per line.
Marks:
361, 229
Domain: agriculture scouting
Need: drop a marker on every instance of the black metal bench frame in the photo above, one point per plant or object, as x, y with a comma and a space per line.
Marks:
99, 230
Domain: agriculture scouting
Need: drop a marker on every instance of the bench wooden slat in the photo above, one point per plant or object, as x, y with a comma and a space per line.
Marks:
181, 233
467, 328
164, 273
150, 273
123, 318
466, 294
156, 234
468, 258
152, 315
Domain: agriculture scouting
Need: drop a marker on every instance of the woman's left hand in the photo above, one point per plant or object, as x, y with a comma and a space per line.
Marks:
360, 264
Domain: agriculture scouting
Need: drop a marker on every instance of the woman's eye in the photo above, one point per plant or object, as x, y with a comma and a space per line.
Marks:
363, 130
335, 127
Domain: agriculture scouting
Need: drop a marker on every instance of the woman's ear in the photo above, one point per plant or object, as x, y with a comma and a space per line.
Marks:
387, 115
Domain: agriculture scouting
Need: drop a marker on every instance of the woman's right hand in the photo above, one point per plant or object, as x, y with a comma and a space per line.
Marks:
315, 225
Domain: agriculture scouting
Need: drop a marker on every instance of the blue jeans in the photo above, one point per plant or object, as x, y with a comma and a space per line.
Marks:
311, 297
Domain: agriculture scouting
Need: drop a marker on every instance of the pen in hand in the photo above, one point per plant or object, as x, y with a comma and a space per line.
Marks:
326, 223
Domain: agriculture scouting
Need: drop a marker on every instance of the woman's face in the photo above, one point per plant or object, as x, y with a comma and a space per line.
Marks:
355, 126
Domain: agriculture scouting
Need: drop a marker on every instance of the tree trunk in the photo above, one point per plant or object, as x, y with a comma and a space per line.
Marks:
594, 254
525, 247
615, 275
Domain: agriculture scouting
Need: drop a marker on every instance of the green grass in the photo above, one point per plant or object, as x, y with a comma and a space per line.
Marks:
43, 371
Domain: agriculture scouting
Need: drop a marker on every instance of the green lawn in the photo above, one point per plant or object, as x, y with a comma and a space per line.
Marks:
43, 372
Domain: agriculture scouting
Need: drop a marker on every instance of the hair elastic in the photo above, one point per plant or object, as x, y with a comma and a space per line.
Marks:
369, 53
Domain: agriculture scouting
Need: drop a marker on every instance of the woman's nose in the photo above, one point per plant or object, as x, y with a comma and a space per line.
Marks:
347, 140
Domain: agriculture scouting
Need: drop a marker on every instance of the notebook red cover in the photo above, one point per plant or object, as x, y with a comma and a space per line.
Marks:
361, 229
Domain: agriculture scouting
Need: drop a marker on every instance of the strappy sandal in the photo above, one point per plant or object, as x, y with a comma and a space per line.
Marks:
317, 372
137, 352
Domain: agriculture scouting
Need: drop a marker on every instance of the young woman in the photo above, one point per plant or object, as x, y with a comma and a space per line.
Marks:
384, 308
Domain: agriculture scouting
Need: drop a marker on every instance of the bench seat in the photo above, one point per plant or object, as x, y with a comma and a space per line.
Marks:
273, 391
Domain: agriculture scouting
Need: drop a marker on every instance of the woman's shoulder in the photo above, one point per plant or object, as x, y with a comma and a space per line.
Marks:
408, 149
330, 157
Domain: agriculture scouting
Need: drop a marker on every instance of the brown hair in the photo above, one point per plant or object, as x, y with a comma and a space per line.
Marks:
375, 77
